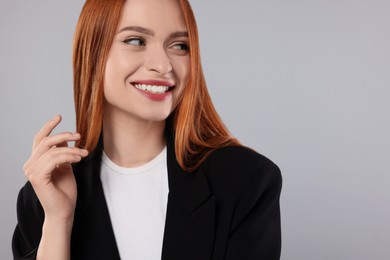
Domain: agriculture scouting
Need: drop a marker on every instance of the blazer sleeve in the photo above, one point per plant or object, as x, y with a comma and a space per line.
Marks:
256, 227
28, 231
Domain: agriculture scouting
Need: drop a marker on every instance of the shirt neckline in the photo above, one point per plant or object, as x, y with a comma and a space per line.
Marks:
158, 160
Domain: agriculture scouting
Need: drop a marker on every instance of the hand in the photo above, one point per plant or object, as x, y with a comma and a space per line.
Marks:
50, 172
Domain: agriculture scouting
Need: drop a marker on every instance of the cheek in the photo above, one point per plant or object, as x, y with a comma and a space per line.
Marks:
121, 63
111, 88
119, 66
182, 71
182, 68
111, 71
114, 79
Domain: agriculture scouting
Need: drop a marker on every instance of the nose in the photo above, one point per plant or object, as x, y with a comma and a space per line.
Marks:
158, 61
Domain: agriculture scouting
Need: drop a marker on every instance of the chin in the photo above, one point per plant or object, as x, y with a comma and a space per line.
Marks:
156, 117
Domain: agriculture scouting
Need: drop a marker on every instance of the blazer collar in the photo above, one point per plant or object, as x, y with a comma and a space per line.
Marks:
191, 188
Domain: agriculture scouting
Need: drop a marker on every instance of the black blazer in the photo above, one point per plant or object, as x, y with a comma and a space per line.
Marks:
227, 209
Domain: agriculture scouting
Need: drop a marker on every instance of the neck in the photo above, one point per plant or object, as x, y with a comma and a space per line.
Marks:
130, 142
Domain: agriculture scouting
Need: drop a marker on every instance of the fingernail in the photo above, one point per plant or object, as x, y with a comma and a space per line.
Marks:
76, 134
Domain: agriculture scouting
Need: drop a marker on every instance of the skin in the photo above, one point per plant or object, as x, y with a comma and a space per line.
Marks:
133, 125
130, 119
50, 173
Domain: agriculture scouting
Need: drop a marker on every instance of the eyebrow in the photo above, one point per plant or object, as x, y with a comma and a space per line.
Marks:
151, 33
178, 34
137, 29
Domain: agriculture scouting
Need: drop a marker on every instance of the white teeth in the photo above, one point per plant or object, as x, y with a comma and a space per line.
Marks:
152, 88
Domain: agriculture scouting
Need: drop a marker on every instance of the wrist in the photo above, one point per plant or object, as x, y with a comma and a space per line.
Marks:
55, 224
55, 240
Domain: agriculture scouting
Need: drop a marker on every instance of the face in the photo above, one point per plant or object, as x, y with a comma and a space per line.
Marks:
148, 64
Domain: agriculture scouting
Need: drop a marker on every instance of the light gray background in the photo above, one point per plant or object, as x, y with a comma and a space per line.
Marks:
307, 83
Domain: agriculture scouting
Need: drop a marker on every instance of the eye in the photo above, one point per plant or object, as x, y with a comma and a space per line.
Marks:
135, 41
181, 46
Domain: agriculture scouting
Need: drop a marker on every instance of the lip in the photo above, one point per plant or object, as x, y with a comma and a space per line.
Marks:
153, 96
154, 82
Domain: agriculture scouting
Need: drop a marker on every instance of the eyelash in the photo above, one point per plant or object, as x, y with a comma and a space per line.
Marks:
184, 46
142, 42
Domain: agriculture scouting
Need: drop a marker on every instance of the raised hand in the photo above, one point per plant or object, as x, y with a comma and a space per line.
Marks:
49, 171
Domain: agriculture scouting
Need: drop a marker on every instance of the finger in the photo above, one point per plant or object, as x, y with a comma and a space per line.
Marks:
66, 144
54, 140
46, 130
54, 151
59, 139
63, 144
44, 165
40, 172
59, 151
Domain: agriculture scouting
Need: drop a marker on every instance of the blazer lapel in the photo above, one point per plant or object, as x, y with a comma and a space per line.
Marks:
92, 235
190, 220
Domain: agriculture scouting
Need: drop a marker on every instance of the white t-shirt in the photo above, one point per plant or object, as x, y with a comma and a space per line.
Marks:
137, 202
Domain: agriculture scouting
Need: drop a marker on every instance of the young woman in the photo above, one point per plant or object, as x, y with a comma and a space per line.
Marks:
154, 173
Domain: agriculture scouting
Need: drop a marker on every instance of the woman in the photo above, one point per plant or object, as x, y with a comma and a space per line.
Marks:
154, 173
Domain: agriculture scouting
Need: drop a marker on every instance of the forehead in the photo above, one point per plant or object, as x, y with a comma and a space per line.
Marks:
158, 15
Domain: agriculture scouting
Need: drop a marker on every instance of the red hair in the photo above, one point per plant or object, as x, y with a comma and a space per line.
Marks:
197, 128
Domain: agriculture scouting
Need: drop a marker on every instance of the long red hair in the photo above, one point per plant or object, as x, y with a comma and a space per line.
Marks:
197, 128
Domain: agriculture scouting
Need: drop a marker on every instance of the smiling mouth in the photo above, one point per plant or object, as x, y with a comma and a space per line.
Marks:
152, 88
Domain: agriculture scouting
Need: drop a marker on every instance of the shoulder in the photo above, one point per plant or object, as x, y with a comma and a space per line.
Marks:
239, 168
241, 161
